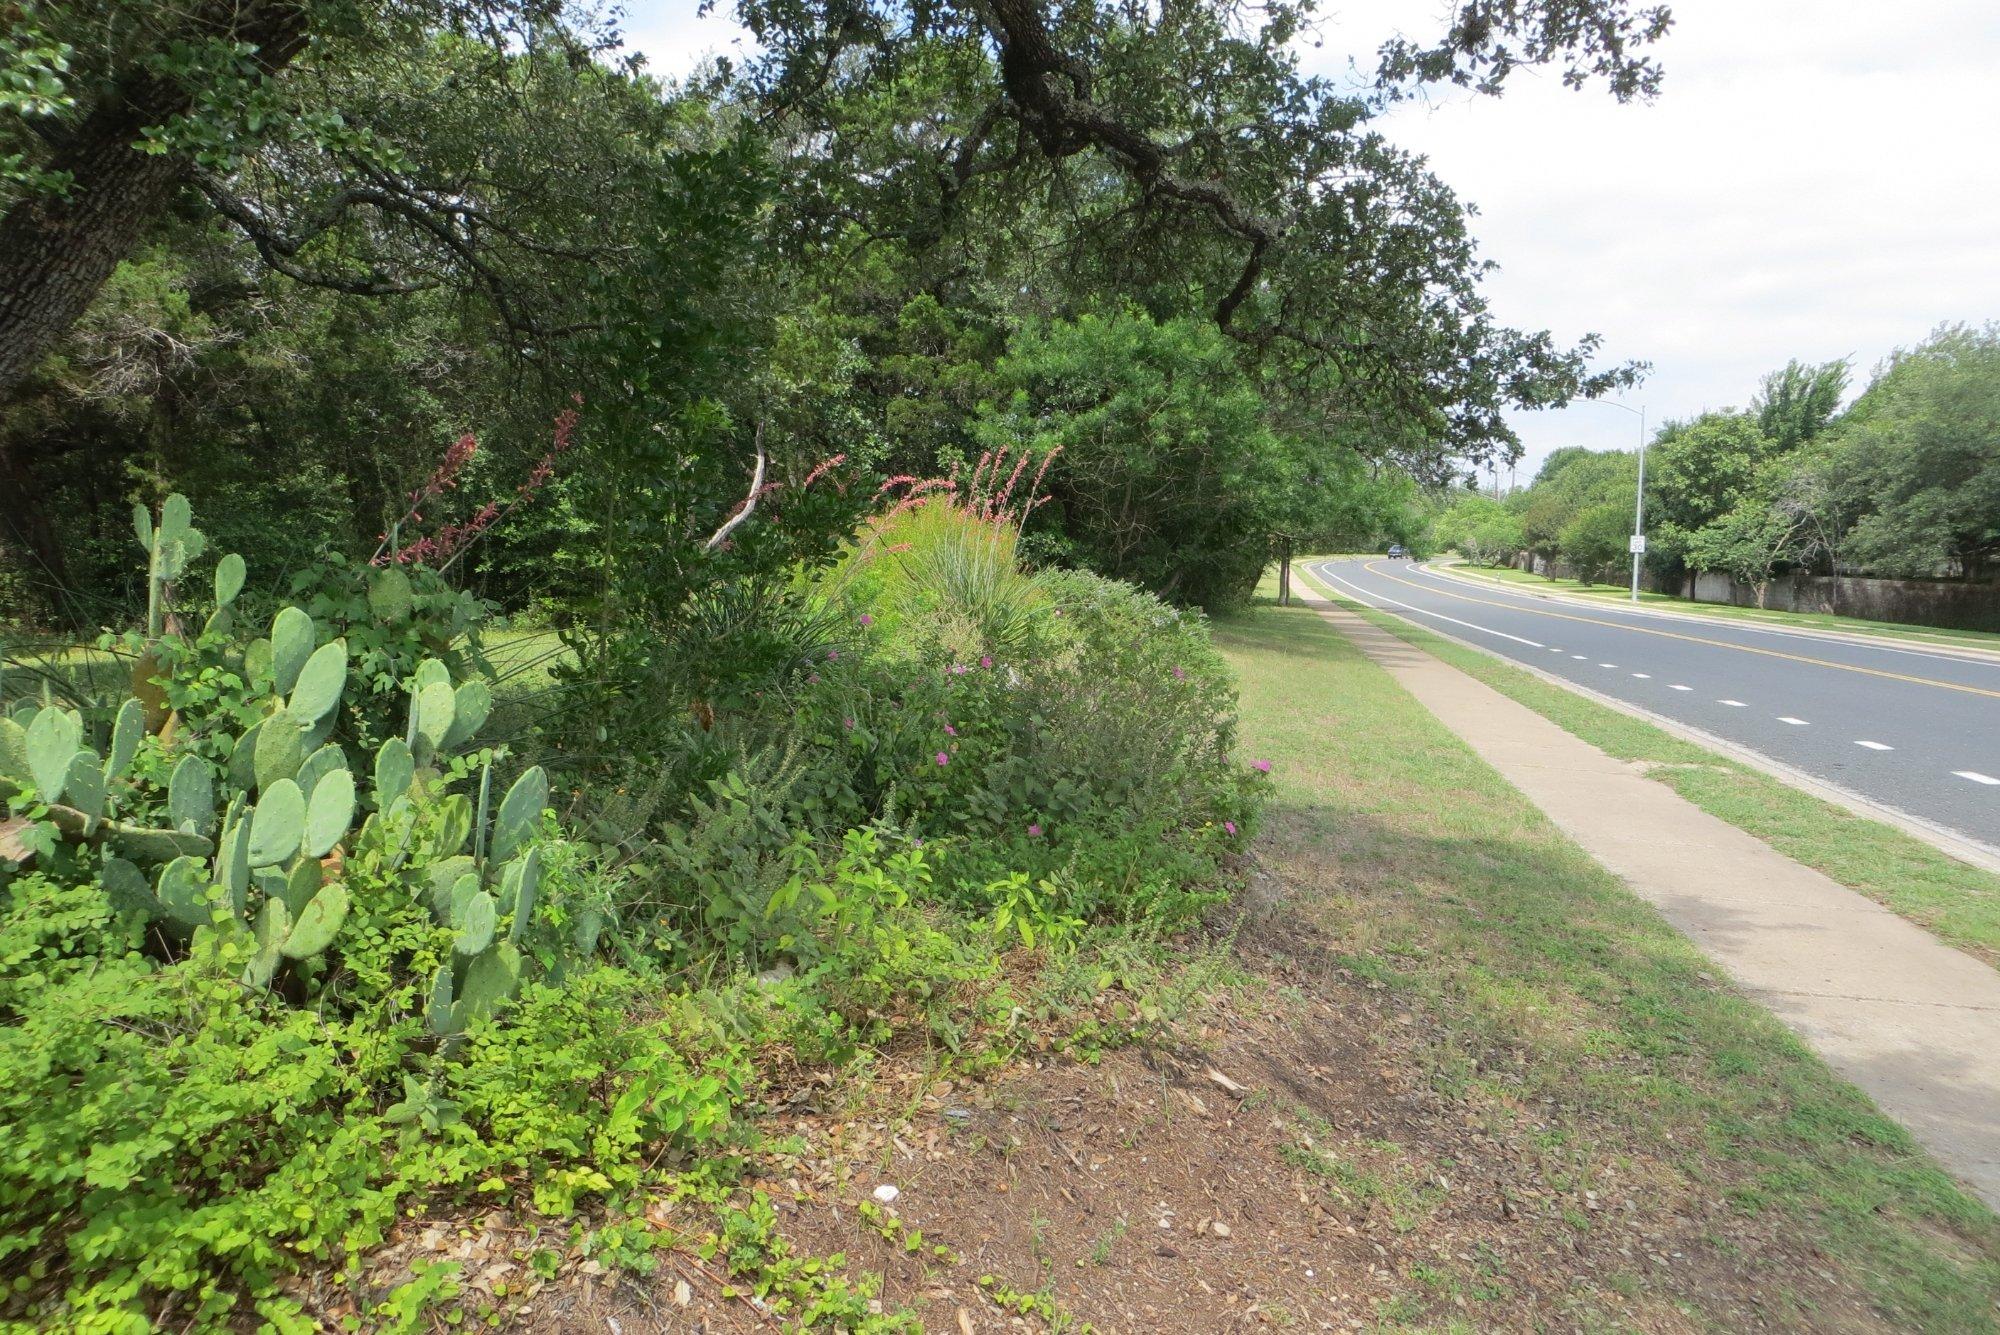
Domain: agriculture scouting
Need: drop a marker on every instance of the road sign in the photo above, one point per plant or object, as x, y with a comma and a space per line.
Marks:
1638, 544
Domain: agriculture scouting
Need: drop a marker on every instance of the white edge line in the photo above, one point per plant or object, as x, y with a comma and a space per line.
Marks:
1487, 630
1955, 653
1949, 842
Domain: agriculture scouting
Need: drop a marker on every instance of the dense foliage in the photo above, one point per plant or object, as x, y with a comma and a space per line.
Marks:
354, 230
259, 1001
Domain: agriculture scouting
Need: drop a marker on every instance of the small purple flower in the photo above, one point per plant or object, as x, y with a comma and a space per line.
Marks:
950, 731
943, 759
832, 654
849, 725
813, 680
867, 620
1261, 766
1180, 673
958, 669
1034, 831
1230, 826
986, 660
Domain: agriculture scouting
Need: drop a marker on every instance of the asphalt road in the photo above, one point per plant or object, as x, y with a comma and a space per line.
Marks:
1910, 729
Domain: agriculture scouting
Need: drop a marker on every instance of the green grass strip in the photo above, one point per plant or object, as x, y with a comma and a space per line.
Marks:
1439, 880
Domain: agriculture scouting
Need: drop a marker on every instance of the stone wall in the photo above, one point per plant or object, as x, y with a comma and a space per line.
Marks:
1917, 602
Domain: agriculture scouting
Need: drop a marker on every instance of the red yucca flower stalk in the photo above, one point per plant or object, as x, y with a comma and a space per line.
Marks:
442, 548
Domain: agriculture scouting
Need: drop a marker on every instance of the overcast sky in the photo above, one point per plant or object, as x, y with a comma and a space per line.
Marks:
1819, 179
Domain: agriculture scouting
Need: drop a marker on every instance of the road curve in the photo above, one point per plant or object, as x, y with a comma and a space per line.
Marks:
1912, 730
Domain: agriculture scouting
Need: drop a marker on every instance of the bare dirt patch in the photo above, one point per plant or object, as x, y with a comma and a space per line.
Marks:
1279, 1161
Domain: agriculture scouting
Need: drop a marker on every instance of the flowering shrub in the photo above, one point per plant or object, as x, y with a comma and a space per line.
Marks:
1059, 723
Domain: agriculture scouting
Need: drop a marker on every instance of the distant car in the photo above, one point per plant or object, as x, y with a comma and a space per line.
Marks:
1396, 552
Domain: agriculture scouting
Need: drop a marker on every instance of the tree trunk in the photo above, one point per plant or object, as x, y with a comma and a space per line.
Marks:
25, 521
56, 251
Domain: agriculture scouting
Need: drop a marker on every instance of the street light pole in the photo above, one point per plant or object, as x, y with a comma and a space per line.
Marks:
1639, 507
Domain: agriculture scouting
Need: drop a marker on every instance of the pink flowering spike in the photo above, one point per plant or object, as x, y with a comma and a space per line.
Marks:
943, 759
986, 660
950, 731
849, 725
867, 620
832, 654
1261, 766
1230, 826
1034, 831
1180, 673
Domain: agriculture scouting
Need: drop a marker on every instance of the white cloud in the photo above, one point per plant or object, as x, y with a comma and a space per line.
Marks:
1819, 179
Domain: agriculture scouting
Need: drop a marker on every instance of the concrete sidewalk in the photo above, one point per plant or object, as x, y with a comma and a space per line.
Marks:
1912, 1022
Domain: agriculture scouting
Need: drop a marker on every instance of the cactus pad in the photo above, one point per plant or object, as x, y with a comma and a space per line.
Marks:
329, 813
319, 923
277, 824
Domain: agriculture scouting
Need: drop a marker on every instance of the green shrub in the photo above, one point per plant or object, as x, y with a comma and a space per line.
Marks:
236, 1030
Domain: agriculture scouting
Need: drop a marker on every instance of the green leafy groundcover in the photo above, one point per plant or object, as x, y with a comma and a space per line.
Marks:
238, 1042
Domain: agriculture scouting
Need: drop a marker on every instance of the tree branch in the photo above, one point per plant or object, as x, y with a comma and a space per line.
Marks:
749, 505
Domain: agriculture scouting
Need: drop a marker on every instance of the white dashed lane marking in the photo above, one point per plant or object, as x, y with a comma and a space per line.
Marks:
1977, 777
1643, 676
1678, 687
1578, 657
1733, 704
1795, 722
1607, 665
1875, 746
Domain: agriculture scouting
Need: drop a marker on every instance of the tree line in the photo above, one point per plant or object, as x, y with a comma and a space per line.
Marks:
1902, 482
278, 254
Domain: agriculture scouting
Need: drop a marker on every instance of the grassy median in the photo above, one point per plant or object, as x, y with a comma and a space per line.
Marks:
1571, 1021
1956, 902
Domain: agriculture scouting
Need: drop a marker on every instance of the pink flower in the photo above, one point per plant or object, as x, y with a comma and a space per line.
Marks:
950, 731
832, 654
1034, 831
849, 725
1230, 826
867, 620
958, 669
943, 759
986, 660
1180, 674
813, 680
1261, 766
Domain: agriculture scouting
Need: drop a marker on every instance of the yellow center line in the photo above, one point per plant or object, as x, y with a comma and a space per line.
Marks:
1369, 566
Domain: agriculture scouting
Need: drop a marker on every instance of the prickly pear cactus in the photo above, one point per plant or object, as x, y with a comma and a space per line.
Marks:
236, 843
